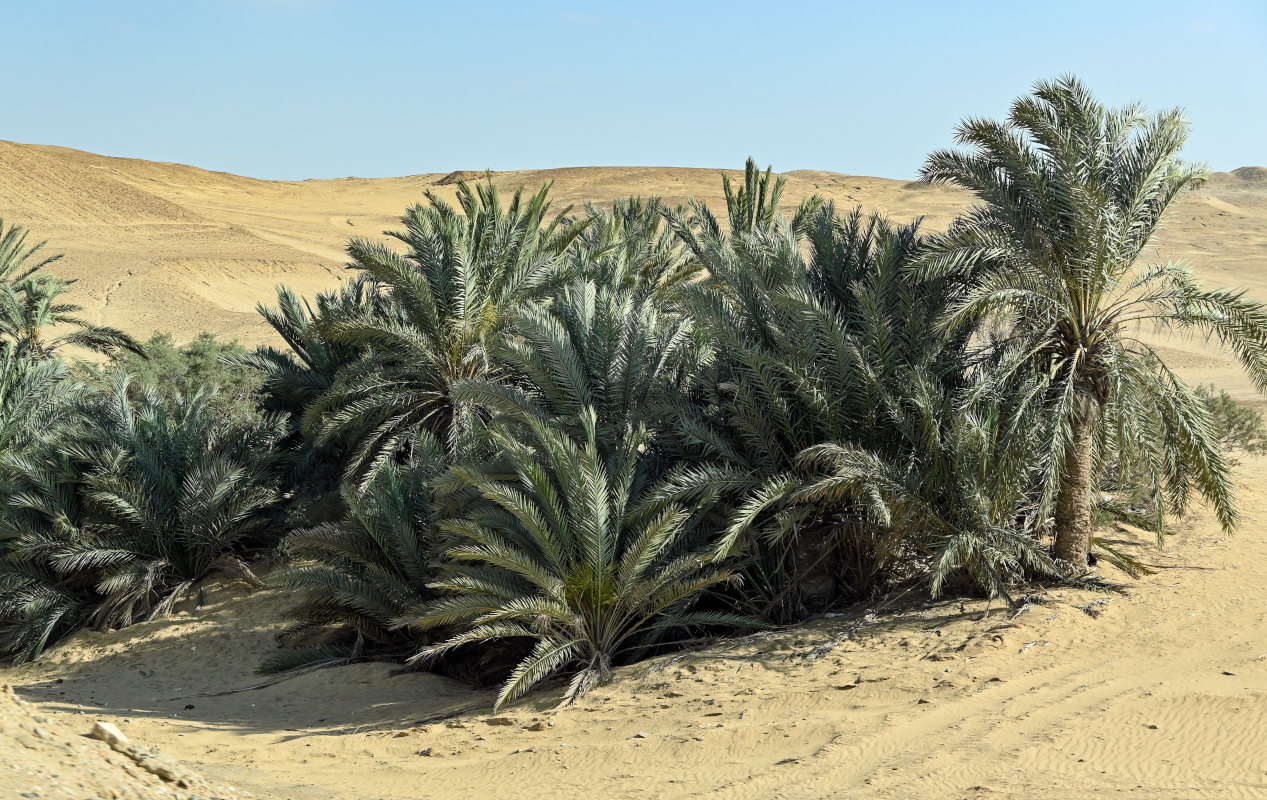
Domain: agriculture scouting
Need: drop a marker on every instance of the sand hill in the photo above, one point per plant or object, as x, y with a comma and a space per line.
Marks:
169, 247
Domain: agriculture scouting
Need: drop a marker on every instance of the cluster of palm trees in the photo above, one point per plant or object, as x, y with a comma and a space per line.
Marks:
559, 441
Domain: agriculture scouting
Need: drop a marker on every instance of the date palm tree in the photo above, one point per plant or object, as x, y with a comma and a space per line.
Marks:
37, 607
611, 350
629, 248
825, 366
1070, 196
464, 273
567, 551
360, 575
295, 378
170, 497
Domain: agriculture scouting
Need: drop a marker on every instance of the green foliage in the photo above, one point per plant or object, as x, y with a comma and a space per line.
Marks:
1238, 428
592, 347
1070, 194
201, 365
361, 575
462, 278
296, 378
129, 505
570, 550
838, 429
629, 249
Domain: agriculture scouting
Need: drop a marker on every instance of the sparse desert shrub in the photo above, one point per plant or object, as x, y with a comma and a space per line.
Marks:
204, 363
1238, 427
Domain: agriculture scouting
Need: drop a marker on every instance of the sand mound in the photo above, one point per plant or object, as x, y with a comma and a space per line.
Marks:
1251, 174
55, 755
159, 246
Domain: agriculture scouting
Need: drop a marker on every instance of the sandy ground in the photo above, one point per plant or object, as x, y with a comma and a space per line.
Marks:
1159, 692
50, 754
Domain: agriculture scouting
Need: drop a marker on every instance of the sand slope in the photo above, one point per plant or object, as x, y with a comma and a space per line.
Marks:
1160, 692
48, 754
169, 247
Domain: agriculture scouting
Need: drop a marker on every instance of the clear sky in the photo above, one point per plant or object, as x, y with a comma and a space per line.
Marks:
323, 88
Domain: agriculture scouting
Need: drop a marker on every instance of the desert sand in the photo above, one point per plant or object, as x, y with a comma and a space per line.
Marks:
1158, 690
168, 247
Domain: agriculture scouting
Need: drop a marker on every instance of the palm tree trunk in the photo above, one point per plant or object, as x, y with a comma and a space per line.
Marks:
1075, 504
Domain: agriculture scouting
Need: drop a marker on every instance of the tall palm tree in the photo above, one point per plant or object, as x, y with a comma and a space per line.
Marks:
1070, 195
30, 304
463, 275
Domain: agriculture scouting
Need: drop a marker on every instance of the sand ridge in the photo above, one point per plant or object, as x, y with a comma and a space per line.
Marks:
159, 246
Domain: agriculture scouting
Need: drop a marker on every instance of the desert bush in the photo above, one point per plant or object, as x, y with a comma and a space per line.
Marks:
361, 575
569, 549
134, 503
1239, 428
205, 363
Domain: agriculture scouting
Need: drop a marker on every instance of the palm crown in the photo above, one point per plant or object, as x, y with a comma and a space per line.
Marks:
461, 279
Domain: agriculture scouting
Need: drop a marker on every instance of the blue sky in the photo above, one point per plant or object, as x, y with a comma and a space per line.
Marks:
323, 88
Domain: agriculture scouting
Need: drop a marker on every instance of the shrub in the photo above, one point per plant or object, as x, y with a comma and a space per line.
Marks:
361, 575
204, 363
1238, 427
571, 551
133, 503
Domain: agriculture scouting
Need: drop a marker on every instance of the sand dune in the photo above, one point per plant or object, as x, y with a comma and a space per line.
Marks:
169, 247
